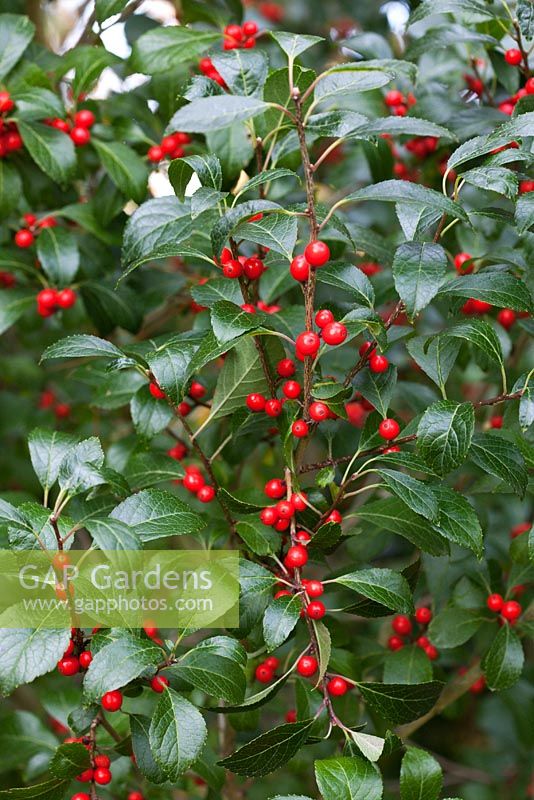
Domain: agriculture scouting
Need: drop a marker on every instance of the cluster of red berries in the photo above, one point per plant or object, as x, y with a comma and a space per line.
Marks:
279, 516
197, 391
79, 129
422, 146
70, 664
48, 399
315, 255
403, 627
251, 268
51, 300
208, 69
265, 672
101, 774
514, 58
195, 483
10, 138
399, 103
178, 451
25, 237
171, 146
510, 610
237, 36
377, 362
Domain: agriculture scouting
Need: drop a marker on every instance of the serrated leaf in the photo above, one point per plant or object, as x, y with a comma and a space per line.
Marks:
406, 192
498, 288
385, 586
377, 387
458, 521
435, 355
279, 620
207, 168
177, 734
126, 169
69, 760
212, 673
16, 32
58, 254
293, 44
503, 663
494, 179
257, 537
47, 451
454, 626
420, 776
144, 757
164, 49
409, 665
277, 231
118, 663
80, 346
107, 8
350, 280
394, 516
417, 495
401, 703
444, 435
229, 321
269, 751
213, 113
243, 71
344, 778
370, 746
10, 188
418, 272
27, 653
241, 374
52, 150
112, 534
497, 456
155, 514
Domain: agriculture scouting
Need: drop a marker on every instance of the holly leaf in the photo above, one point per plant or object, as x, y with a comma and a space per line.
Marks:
452, 627
126, 169
16, 32
384, 586
503, 663
279, 620
52, 150
344, 778
501, 458
444, 435
401, 703
418, 271
177, 734
213, 113
156, 514
118, 663
58, 254
270, 751
420, 776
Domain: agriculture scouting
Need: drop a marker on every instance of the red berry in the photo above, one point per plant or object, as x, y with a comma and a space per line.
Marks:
253, 268
47, 298
155, 391
459, 262
370, 268
334, 333
24, 238
205, 65
6, 103
388, 429
84, 118
285, 509
169, 144
323, 317
511, 610
263, 673
317, 253
232, 269
334, 517
478, 686
68, 666
319, 411
206, 494
364, 348
378, 363
85, 658
299, 268
250, 28
513, 57
529, 86
272, 662
299, 501
281, 525
112, 701
256, 402
496, 422
158, 683
275, 488
102, 776
300, 428
422, 642
517, 530
183, 409
495, 602
303, 537
506, 317
85, 776
102, 761
291, 716
269, 515
193, 482
395, 643
394, 98
285, 368
480, 306
401, 625
66, 298
308, 343
47, 222
314, 588
296, 556
273, 407
135, 796
316, 609
197, 390
249, 308
307, 666
337, 686
62, 410
80, 136
291, 389
282, 593
60, 125
423, 615
431, 652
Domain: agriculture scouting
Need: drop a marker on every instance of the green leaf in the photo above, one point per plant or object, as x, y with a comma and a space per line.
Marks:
212, 673
417, 495
401, 703
509, 131
385, 586
212, 113
229, 321
269, 751
279, 620
88, 63
458, 521
111, 306
47, 451
111, 534
206, 167
177, 734
80, 468
241, 374
118, 663
10, 188
344, 778
370, 746
27, 653
13, 304
107, 8
406, 192
435, 355
420, 776
497, 456
155, 514
57, 251
52, 150
493, 179
410, 126
350, 280
257, 537
481, 335
503, 663
69, 760
33, 102
454, 626
164, 49
524, 212
39, 791
498, 288
144, 758
243, 71
277, 231
394, 516
149, 469
80, 346
227, 225
409, 665
207, 294
267, 176
293, 44
149, 415
525, 17
126, 169
418, 272
348, 79
170, 366
16, 32
444, 435
430, 7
